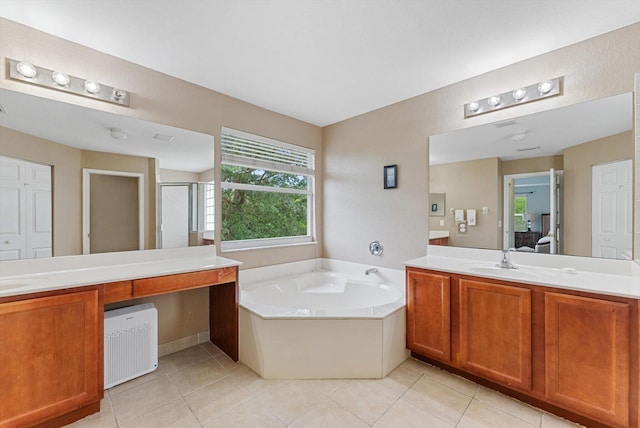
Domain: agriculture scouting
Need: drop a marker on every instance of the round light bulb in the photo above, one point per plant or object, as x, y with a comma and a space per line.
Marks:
26, 69
494, 101
519, 94
545, 87
91, 87
61, 79
473, 106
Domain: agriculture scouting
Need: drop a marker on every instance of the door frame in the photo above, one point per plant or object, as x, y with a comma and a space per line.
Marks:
86, 204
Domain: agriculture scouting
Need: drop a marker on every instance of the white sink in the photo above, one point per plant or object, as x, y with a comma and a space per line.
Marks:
14, 283
495, 270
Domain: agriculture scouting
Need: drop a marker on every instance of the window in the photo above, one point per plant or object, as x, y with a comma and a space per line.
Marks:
519, 210
267, 191
209, 207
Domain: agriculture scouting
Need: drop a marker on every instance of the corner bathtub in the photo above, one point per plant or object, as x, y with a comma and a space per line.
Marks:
321, 319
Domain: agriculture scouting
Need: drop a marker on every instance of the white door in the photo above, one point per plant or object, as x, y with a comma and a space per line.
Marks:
554, 211
175, 216
611, 221
25, 209
509, 223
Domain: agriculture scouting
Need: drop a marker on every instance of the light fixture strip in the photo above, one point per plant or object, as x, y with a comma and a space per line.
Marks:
75, 85
509, 99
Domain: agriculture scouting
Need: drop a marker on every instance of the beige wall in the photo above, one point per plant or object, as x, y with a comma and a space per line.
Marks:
67, 184
357, 209
136, 164
164, 99
67, 163
578, 161
524, 166
470, 184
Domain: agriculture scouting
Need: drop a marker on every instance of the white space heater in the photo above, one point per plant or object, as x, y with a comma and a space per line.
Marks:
130, 343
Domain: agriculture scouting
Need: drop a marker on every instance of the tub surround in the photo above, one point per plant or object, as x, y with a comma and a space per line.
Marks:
51, 311
328, 344
559, 332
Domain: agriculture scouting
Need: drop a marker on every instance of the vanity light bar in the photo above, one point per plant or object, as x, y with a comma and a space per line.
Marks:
55, 79
535, 92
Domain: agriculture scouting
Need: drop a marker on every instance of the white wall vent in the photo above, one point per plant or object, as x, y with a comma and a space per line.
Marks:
130, 343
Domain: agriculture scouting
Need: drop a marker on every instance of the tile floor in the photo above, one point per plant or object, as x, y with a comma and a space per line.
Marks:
202, 387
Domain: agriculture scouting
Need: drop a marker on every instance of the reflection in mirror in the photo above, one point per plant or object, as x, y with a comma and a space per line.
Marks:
505, 171
436, 200
68, 140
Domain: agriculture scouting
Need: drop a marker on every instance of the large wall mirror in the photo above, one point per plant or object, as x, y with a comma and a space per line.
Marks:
74, 180
558, 182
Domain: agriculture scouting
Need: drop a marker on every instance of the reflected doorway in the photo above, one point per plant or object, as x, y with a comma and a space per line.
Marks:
113, 211
532, 204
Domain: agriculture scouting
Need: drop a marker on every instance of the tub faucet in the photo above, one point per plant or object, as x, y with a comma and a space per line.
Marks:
370, 270
505, 263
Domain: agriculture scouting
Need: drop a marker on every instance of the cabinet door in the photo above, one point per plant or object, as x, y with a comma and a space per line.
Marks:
587, 356
495, 332
50, 355
428, 314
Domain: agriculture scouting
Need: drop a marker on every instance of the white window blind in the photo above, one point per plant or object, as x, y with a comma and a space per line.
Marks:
243, 149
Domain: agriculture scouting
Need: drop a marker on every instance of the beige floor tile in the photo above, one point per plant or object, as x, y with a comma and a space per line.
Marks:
405, 374
414, 366
173, 415
216, 399
368, 399
104, 419
198, 375
211, 349
404, 414
289, 400
143, 398
438, 399
114, 390
226, 362
552, 421
248, 414
456, 382
181, 359
509, 405
482, 415
328, 414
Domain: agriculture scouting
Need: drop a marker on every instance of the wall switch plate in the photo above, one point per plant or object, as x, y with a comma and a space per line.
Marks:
441, 222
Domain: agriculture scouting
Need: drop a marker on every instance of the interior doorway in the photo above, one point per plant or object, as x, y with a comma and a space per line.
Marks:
113, 211
532, 204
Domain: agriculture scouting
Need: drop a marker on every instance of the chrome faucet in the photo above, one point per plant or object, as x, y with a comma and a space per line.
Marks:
370, 270
505, 263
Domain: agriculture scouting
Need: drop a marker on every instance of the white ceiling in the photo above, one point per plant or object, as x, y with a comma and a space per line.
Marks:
546, 133
323, 61
88, 129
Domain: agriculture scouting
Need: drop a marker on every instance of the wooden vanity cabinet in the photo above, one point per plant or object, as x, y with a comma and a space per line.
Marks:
51, 353
495, 331
428, 314
587, 356
572, 353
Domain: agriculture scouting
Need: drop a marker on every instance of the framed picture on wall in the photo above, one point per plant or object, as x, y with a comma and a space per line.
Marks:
391, 176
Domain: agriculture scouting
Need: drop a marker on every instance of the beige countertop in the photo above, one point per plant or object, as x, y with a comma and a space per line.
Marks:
609, 277
29, 276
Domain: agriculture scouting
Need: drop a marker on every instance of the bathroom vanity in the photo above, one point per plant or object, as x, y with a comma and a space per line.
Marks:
52, 315
562, 339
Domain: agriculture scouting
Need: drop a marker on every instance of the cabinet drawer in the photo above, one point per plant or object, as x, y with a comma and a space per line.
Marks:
118, 291
183, 281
